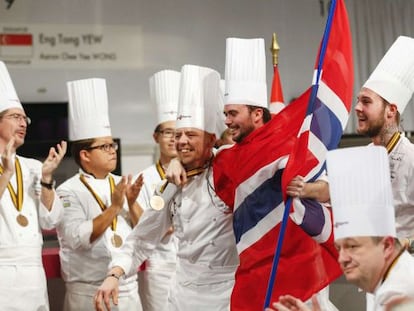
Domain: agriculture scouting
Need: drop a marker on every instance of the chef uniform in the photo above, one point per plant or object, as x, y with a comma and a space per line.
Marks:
84, 264
362, 204
23, 282
206, 256
393, 80
159, 272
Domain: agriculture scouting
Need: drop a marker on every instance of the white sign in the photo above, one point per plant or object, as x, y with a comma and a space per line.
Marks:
75, 46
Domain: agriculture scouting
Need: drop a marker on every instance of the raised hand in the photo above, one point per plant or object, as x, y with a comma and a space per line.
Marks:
53, 160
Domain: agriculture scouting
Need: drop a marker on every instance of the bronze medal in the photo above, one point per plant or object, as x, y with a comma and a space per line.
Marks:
116, 240
22, 220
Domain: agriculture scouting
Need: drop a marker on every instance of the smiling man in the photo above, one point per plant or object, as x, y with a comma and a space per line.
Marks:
370, 255
206, 255
155, 280
381, 102
100, 208
28, 203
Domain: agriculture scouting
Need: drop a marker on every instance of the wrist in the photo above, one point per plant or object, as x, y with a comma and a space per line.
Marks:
47, 179
113, 275
48, 184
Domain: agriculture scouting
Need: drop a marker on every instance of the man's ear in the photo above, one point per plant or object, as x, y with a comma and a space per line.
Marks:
155, 136
258, 114
389, 245
392, 110
84, 156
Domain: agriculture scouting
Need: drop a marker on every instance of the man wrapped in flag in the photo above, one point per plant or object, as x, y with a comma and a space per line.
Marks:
248, 176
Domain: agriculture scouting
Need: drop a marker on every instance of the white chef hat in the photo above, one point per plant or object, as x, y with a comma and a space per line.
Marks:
360, 190
8, 95
245, 72
393, 78
164, 90
199, 98
88, 109
220, 125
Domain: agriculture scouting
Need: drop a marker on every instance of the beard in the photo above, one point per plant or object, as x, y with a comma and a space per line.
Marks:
373, 130
243, 133
374, 127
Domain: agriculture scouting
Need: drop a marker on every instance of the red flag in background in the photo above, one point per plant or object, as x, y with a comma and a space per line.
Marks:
277, 102
16, 44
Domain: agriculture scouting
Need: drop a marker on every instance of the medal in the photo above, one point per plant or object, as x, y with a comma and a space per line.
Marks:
22, 220
17, 196
116, 240
157, 202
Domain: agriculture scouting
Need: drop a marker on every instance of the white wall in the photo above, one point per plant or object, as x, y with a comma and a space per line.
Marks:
172, 33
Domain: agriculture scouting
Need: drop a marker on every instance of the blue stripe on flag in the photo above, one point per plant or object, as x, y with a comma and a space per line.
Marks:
323, 118
267, 196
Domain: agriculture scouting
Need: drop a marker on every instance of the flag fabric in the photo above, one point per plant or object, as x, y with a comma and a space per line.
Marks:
16, 45
277, 102
251, 177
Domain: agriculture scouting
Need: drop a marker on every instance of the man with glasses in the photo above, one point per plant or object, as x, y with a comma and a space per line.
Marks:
27, 204
99, 208
155, 280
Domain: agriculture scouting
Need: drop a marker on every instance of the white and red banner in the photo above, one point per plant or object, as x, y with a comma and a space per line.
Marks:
75, 46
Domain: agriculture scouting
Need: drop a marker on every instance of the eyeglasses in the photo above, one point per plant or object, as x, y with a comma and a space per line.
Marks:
18, 118
167, 133
105, 147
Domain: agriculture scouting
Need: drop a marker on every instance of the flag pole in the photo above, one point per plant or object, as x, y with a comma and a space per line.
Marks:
288, 205
276, 96
274, 49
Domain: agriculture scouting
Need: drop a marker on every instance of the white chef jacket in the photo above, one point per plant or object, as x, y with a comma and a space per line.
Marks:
207, 256
23, 282
402, 182
399, 281
84, 265
155, 280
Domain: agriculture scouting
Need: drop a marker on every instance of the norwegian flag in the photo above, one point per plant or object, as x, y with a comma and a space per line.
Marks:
251, 177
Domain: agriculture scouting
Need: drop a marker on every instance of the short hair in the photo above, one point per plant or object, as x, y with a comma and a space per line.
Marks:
79, 145
157, 128
398, 115
3, 113
378, 239
266, 112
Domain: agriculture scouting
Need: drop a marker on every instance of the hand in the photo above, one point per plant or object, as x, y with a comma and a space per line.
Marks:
118, 196
289, 302
176, 173
53, 160
296, 187
133, 189
7, 158
109, 289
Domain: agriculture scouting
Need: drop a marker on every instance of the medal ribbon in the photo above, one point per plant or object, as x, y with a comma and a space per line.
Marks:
17, 197
160, 170
98, 199
393, 141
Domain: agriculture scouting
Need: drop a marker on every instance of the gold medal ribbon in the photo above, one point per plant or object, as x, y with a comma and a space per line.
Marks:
393, 141
160, 170
98, 199
17, 197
